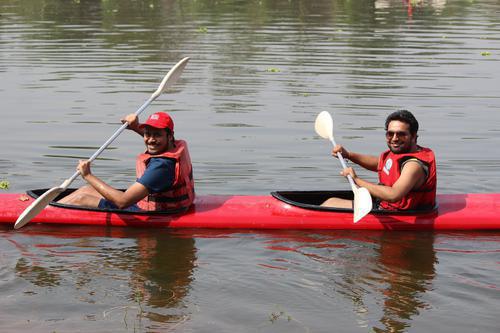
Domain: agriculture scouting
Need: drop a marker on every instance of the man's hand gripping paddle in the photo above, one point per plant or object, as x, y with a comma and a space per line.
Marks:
362, 198
39, 204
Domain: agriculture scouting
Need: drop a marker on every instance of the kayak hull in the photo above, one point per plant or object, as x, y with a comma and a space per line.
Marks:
455, 212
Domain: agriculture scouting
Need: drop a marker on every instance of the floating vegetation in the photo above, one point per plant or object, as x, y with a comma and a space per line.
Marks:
485, 53
4, 184
279, 313
139, 298
202, 30
274, 316
273, 70
139, 311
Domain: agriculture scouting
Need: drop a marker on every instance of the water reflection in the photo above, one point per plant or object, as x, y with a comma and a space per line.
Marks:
399, 267
156, 267
32, 269
165, 268
412, 5
406, 262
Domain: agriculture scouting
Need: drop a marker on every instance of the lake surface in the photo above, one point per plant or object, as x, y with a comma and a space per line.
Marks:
260, 72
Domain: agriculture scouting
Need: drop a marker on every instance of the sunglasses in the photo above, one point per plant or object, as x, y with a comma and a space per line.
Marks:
399, 134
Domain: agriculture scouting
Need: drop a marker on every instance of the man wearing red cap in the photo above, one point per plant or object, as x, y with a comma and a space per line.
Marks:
164, 173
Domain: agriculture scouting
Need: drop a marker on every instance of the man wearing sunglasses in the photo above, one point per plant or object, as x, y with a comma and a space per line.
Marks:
406, 171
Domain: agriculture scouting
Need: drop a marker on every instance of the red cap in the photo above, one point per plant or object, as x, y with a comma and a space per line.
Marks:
159, 120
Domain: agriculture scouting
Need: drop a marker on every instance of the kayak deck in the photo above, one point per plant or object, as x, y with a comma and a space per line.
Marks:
455, 212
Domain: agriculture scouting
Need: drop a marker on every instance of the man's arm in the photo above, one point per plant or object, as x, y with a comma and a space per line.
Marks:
158, 177
121, 199
133, 123
368, 162
412, 176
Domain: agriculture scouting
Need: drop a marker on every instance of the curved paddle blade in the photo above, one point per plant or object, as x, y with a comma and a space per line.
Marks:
37, 206
324, 125
171, 77
362, 203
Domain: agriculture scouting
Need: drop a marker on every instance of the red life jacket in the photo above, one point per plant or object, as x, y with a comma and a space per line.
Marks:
181, 193
389, 171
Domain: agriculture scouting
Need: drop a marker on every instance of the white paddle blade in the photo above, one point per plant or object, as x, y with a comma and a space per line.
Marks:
362, 203
171, 77
37, 206
324, 125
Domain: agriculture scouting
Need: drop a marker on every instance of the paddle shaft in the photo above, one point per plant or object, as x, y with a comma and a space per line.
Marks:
344, 165
110, 140
362, 203
167, 81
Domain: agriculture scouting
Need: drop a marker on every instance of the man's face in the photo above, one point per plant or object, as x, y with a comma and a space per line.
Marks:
156, 140
398, 137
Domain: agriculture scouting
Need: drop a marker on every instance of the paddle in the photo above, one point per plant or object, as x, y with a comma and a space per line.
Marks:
362, 198
39, 204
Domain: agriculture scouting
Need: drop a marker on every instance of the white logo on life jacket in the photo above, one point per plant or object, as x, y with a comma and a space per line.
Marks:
387, 166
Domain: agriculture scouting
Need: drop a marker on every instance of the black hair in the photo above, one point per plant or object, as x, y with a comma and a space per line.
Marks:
170, 133
404, 116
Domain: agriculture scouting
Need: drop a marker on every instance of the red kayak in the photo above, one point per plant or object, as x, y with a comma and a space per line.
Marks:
280, 210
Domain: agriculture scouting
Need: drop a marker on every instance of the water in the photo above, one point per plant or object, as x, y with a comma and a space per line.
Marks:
259, 73
107, 280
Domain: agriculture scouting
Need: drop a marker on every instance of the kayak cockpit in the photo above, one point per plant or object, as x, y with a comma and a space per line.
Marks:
313, 199
36, 193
